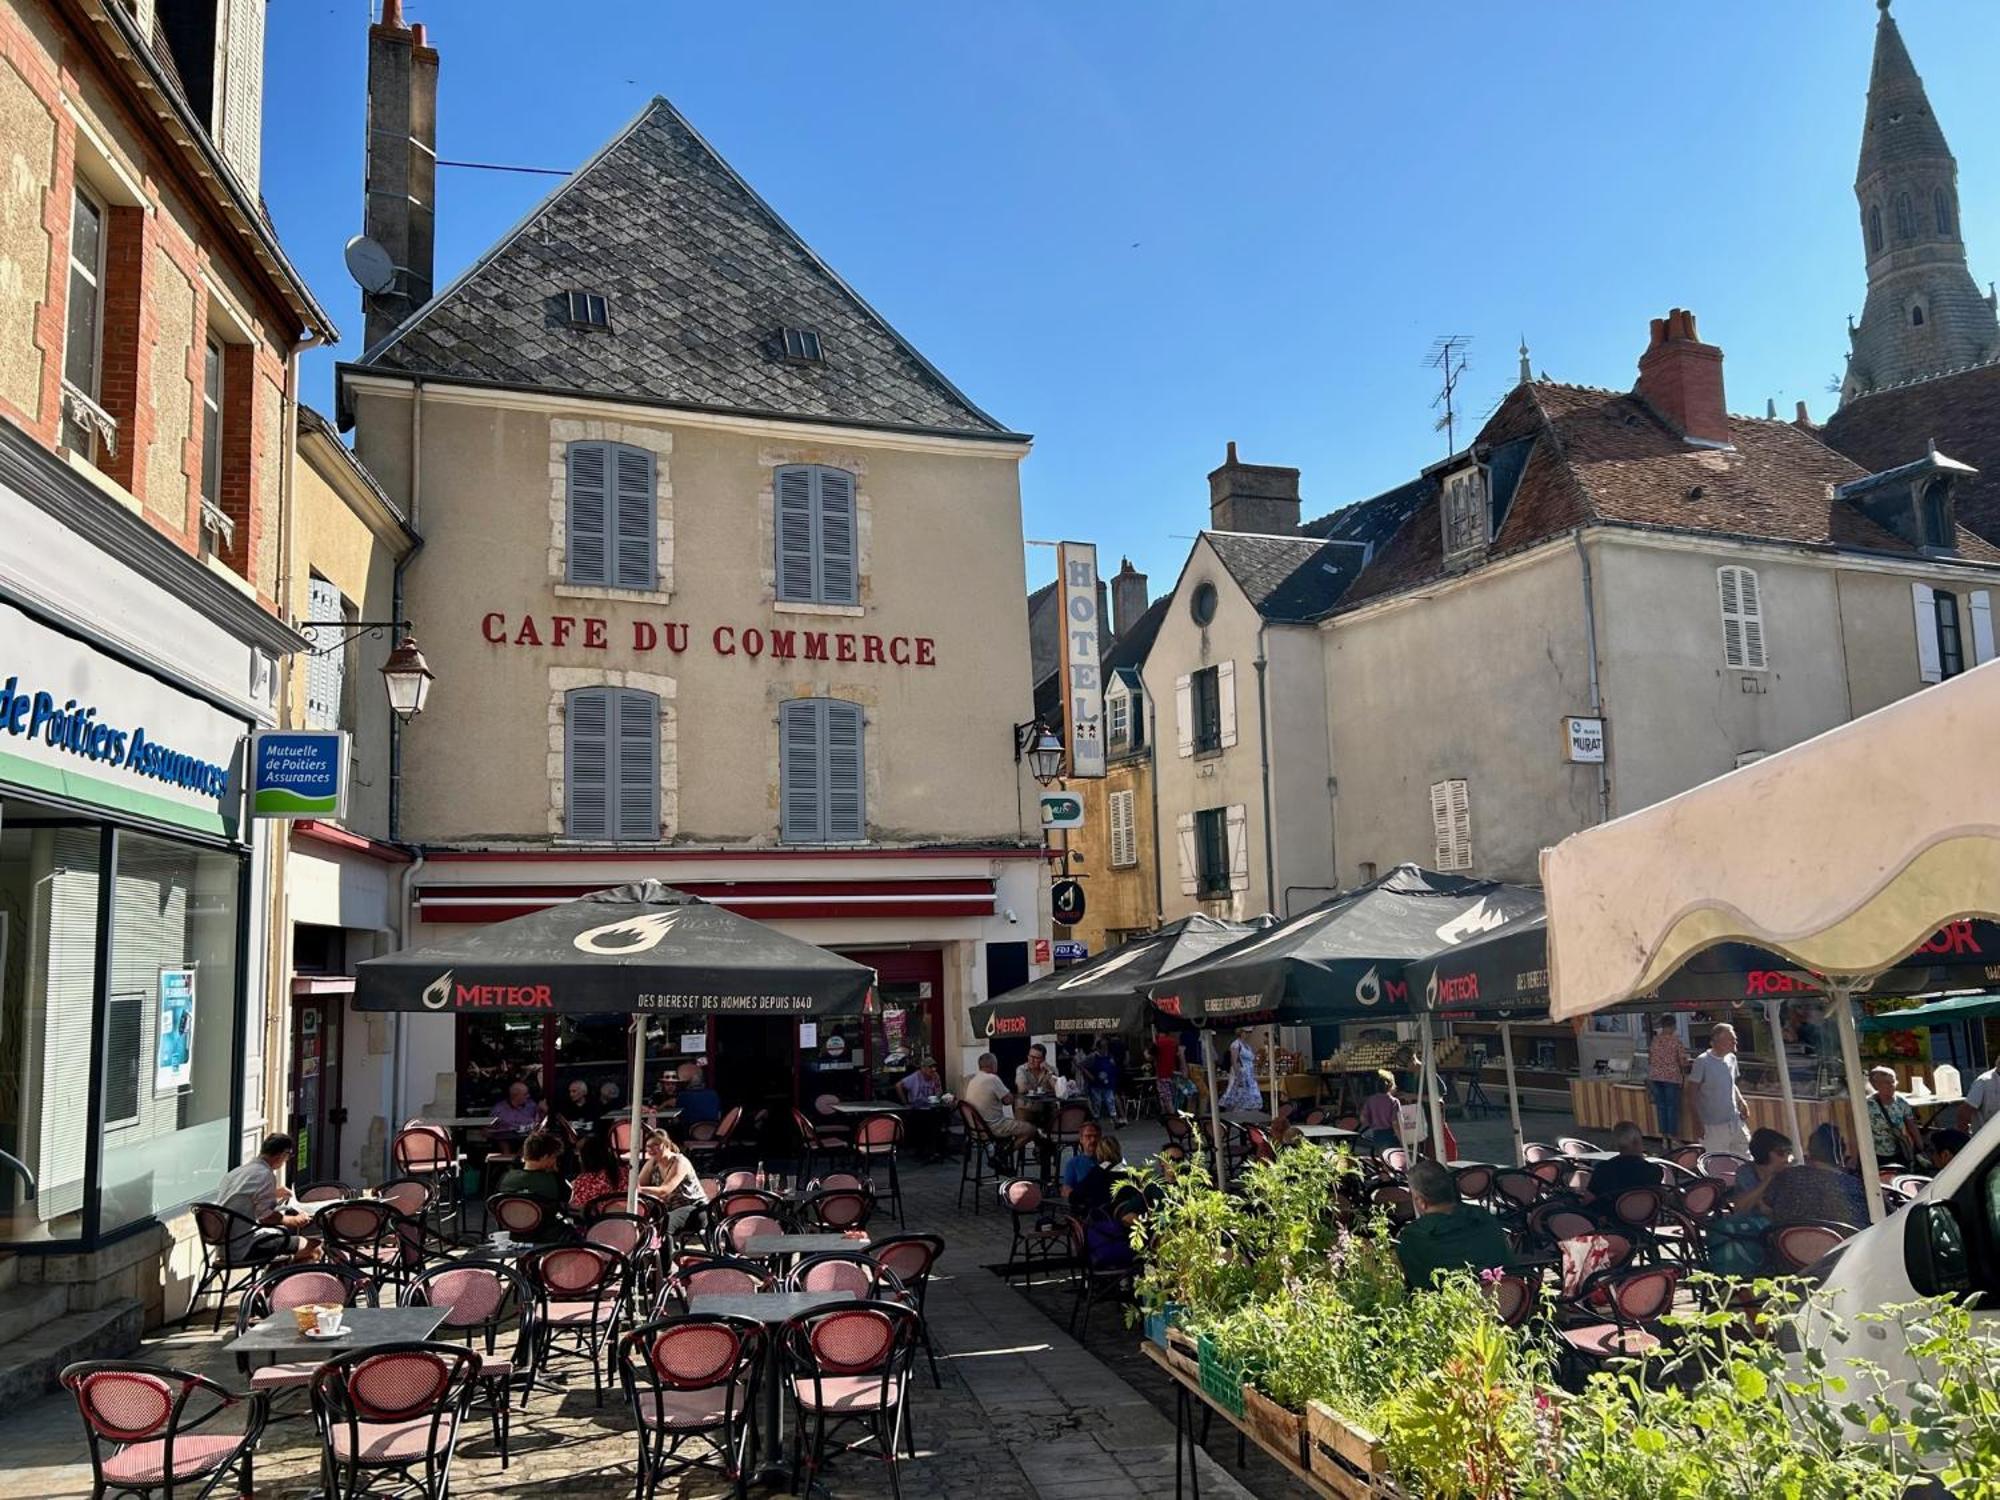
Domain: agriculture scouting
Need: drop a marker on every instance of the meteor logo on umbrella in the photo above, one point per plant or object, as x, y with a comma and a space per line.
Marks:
437, 994
632, 935
1471, 922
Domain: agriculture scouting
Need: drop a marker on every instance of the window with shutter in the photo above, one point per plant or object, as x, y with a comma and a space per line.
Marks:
1923, 601
822, 796
632, 517
1950, 638
1184, 846
1238, 822
1184, 713
1742, 619
326, 668
1451, 824
1982, 627
589, 507
1207, 692
1124, 831
611, 532
1225, 704
1211, 828
611, 765
818, 558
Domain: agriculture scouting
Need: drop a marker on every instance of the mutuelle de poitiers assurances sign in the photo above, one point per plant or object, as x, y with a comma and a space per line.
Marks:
76, 728
299, 773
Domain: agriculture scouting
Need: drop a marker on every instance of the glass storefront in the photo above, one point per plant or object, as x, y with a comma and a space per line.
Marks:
119, 961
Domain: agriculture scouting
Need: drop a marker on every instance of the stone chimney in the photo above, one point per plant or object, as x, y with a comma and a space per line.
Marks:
1128, 598
1253, 497
401, 207
1681, 378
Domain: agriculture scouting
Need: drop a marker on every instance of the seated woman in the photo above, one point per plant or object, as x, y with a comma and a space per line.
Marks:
598, 1172
1096, 1187
671, 1178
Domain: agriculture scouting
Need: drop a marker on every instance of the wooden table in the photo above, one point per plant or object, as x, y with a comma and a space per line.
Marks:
1600, 1103
360, 1328
772, 1309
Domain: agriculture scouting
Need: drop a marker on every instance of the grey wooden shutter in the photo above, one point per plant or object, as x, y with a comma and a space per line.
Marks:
1930, 656
587, 763
632, 517
635, 779
326, 669
801, 779
834, 511
589, 510
846, 790
796, 562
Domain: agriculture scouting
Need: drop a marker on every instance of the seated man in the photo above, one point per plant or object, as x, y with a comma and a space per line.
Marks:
697, 1100
1082, 1166
253, 1191
1627, 1170
989, 1099
517, 1114
1100, 1071
539, 1177
1447, 1233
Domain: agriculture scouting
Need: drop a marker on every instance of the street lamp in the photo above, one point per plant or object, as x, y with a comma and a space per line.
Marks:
408, 677
1043, 749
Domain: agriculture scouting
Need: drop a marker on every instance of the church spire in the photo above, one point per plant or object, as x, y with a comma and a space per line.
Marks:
1924, 314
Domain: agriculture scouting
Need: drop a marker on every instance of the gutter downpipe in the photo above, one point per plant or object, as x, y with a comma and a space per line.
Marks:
1596, 692
1264, 755
1153, 783
399, 1054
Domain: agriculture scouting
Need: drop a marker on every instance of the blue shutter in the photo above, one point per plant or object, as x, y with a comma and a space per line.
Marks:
838, 583
796, 571
846, 796
632, 518
587, 763
635, 778
589, 557
801, 778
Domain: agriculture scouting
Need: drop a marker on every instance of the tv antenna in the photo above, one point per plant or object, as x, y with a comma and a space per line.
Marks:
1447, 357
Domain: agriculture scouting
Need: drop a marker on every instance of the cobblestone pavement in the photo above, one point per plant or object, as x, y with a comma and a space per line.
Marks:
1024, 1413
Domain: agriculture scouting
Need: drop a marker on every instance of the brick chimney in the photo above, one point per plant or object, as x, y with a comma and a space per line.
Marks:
1681, 378
1253, 497
1128, 598
401, 207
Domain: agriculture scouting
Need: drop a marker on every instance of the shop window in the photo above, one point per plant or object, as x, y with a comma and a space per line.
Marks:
818, 554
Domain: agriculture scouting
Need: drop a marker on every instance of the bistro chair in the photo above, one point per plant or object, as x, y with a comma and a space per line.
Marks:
582, 1290
1041, 1229
275, 1294
985, 1156
1515, 1192
143, 1423
1703, 1198
878, 1141
1534, 1151
525, 1218
1576, 1145
1635, 1299
634, 1237
235, 1248
428, 1152
1516, 1298
848, 1271
1107, 1267
713, 1276
393, 1412
1910, 1184
369, 1236
699, 1145
1394, 1159
1476, 1182
1393, 1199
1070, 1119
690, 1378
1722, 1165
912, 1257
1551, 1169
1180, 1130
733, 1231
849, 1364
819, 1143
1686, 1157
840, 1180
1796, 1248
327, 1191
481, 1299
709, 1147
837, 1209
748, 1201
743, 1177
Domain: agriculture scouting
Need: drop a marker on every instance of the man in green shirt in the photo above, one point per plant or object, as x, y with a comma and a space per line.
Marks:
538, 1176
1447, 1234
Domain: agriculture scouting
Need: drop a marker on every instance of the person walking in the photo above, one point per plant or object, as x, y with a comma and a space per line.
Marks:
1719, 1111
1666, 1072
1243, 1092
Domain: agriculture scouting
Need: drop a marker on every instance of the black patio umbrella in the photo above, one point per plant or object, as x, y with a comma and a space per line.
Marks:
1106, 994
645, 949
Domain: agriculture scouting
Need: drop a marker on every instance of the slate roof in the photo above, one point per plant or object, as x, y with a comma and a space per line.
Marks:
1288, 578
700, 275
1960, 412
1607, 456
1133, 647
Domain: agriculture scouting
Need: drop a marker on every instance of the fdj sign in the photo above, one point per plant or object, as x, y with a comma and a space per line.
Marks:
299, 774
1062, 810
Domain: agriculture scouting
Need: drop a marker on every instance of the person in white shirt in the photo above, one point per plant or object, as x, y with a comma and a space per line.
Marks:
253, 1191
989, 1098
1981, 1103
1718, 1104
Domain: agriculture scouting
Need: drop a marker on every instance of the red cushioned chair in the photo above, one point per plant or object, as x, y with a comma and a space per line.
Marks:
393, 1412
143, 1424
275, 1294
481, 1301
849, 1364
692, 1378
582, 1291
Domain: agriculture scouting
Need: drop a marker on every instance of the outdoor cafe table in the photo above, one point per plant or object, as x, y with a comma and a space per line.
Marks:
1326, 1133
361, 1328
1245, 1117
868, 1107
773, 1310
789, 1245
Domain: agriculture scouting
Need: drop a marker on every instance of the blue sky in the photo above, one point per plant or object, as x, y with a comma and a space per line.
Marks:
1138, 230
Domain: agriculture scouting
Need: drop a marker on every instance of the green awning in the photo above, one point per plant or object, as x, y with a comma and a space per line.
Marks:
1937, 1013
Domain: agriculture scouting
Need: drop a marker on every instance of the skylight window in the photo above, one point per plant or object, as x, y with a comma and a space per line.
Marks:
801, 345
588, 310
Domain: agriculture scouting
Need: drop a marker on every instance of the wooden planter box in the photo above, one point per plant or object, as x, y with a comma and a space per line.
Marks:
1183, 1354
1274, 1425
1349, 1458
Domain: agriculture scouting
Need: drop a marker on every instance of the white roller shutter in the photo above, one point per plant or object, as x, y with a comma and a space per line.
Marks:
1923, 604
1184, 838
1238, 824
1124, 832
1451, 824
1225, 699
1184, 714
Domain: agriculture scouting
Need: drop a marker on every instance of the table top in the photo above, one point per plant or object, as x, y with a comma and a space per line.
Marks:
457, 1122
799, 1244
766, 1307
1245, 1117
361, 1328
1327, 1133
868, 1107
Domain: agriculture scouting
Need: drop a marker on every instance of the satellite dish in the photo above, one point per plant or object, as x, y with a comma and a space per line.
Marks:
369, 264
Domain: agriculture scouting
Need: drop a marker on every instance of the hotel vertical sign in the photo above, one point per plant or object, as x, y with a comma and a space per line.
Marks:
1082, 674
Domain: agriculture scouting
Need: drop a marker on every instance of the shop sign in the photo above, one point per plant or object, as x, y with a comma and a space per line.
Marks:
1068, 952
1583, 741
1062, 810
1082, 676
1066, 903
644, 637
1041, 954
81, 724
298, 773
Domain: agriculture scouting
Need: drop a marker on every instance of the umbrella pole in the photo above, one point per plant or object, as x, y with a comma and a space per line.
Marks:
1784, 1071
1272, 1110
1430, 1090
1214, 1110
1513, 1094
1840, 992
638, 1087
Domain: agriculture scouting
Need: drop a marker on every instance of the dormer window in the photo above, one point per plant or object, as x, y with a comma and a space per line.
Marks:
1464, 503
801, 346
1934, 511
588, 310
